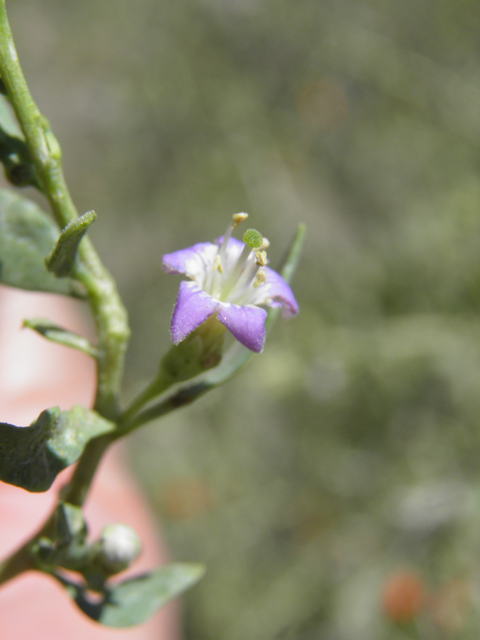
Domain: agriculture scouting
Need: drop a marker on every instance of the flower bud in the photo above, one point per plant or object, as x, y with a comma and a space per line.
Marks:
118, 547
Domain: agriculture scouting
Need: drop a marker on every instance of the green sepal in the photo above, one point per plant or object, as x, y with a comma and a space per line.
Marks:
200, 351
26, 236
31, 457
57, 334
71, 525
62, 259
69, 548
134, 601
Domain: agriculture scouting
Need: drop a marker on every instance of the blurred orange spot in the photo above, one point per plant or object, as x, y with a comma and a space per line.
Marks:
186, 498
403, 596
322, 104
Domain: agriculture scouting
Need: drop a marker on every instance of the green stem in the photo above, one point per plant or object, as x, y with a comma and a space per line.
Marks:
200, 351
16, 564
157, 387
179, 398
75, 492
41, 142
113, 331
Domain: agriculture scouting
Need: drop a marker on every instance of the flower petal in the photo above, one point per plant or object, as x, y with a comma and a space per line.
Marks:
192, 308
246, 323
278, 294
194, 261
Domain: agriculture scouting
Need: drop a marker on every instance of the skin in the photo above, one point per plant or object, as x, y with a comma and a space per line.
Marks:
36, 374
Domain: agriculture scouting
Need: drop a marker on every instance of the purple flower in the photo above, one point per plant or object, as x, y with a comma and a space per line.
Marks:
230, 279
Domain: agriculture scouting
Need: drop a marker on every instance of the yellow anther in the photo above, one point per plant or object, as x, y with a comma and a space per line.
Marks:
261, 257
217, 264
238, 218
265, 244
260, 278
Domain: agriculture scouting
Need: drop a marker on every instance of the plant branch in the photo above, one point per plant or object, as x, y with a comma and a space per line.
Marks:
107, 308
16, 564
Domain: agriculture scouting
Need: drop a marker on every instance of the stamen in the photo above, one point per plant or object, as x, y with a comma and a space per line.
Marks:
217, 264
245, 282
213, 281
261, 257
249, 275
238, 218
235, 272
260, 278
246, 269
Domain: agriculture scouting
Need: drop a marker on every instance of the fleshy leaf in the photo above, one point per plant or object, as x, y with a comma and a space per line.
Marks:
62, 259
57, 334
135, 600
31, 457
27, 235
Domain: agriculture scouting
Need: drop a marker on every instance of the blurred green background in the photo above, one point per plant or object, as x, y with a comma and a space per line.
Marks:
332, 488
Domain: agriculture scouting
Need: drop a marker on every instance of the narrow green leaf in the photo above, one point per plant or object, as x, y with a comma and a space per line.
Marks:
57, 334
31, 457
63, 257
26, 237
135, 600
